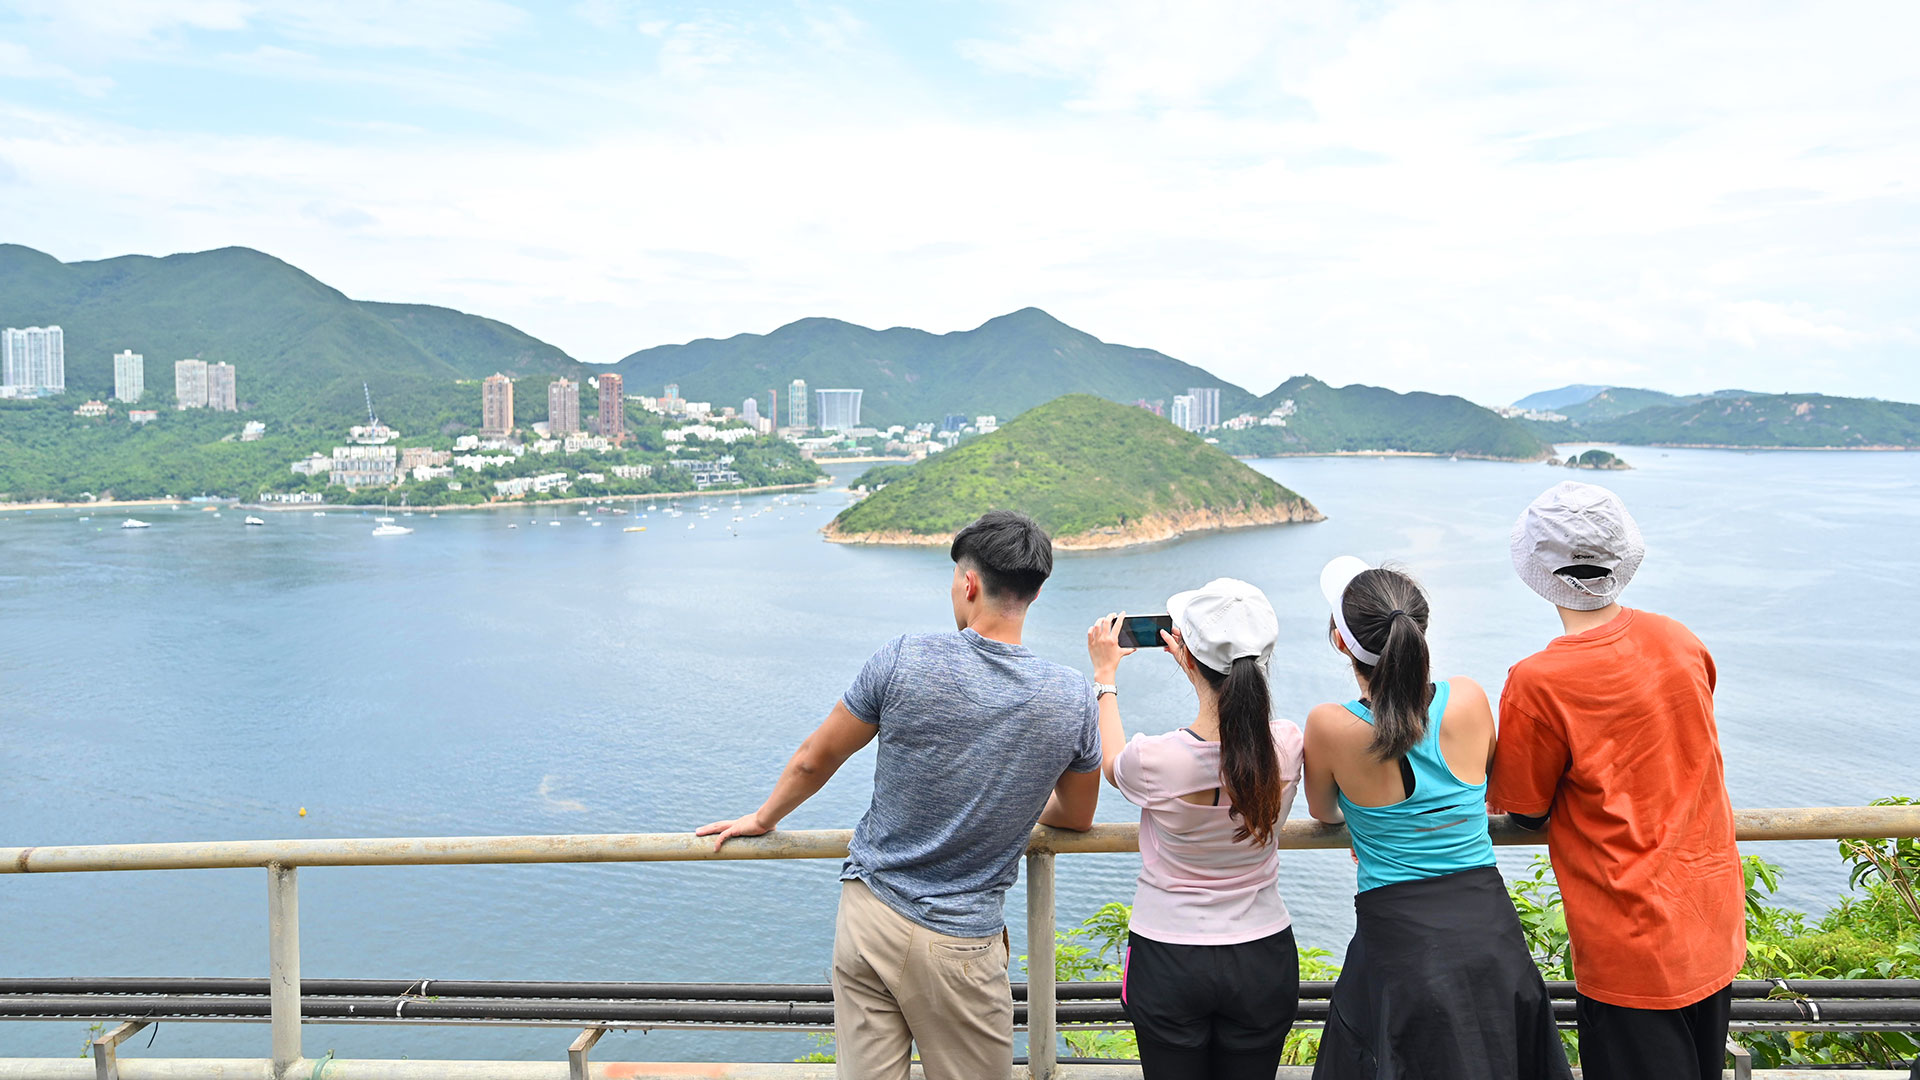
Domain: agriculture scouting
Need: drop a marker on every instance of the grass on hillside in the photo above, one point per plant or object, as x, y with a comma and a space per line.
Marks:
1076, 464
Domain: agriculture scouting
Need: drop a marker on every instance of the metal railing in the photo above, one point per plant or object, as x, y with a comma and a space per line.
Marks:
283, 858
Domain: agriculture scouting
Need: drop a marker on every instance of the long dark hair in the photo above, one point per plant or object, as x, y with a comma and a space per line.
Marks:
1387, 613
1249, 765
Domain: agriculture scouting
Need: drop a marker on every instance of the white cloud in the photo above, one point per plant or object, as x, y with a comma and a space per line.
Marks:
16, 62
1469, 197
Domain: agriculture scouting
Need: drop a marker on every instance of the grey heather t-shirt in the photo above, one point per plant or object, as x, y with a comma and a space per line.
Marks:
974, 735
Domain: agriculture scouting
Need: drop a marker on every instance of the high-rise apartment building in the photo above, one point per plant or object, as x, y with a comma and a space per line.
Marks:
797, 404
750, 410
563, 407
613, 406
1182, 412
129, 375
838, 409
190, 384
1206, 407
496, 405
33, 361
671, 401
222, 392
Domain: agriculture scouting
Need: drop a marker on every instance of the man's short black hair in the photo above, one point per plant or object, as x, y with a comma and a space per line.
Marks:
1009, 550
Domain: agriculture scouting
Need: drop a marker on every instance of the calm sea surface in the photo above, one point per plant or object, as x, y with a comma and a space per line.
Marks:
202, 680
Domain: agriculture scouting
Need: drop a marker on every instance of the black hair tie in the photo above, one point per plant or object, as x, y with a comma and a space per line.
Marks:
1395, 613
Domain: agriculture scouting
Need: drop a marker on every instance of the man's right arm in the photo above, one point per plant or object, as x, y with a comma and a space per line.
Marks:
1529, 759
840, 736
1073, 801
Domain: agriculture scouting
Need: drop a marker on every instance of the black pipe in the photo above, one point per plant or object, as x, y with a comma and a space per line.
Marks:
644, 1012
808, 992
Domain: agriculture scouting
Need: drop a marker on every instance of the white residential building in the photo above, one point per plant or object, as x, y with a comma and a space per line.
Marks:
1182, 412
364, 466
836, 409
520, 485
190, 384
432, 472
632, 472
33, 361
986, 425
222, 394
315, 465
1206, 407
129, 376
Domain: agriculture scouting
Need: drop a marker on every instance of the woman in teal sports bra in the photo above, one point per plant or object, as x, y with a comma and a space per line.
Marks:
1438, 981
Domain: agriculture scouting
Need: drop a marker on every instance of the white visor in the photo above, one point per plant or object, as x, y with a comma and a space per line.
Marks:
1334, 579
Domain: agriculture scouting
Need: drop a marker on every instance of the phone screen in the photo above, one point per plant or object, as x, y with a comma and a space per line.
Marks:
1143, 631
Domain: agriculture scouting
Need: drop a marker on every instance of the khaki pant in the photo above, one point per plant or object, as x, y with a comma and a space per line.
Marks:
897, 984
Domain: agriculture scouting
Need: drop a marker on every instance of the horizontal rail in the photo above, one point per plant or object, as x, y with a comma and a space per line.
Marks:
1806, 823
1892, 1012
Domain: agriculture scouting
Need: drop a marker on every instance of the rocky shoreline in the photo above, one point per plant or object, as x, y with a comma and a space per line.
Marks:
1154, 529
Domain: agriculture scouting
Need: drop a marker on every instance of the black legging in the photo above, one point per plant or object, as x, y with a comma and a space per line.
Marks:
1212, 1012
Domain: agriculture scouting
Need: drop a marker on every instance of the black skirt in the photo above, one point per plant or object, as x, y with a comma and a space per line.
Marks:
1438, 985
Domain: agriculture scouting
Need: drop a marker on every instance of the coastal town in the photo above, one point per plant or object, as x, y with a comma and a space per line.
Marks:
596, 441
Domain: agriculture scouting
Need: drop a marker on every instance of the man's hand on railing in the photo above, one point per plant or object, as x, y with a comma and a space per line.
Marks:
749, 825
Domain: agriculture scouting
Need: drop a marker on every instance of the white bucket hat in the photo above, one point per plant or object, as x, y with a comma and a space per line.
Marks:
1573, 525
1224, 620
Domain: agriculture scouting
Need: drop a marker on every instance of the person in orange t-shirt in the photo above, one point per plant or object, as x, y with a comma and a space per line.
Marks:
1609, 732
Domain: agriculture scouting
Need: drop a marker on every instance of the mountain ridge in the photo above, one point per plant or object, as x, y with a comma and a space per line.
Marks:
299, 345
911, 375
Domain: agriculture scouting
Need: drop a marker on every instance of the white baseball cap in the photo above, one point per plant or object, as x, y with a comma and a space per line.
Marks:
1224, 620
1334, 579
1572, 526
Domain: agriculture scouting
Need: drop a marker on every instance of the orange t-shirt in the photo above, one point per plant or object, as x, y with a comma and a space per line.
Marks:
1612, 730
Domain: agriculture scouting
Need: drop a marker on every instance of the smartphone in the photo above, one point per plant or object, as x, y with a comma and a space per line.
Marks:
1143, 631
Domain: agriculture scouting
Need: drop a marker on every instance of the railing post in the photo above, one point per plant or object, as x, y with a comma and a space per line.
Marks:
283, 950
1042, 1054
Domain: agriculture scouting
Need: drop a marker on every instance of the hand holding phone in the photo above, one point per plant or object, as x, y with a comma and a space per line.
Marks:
1143, 631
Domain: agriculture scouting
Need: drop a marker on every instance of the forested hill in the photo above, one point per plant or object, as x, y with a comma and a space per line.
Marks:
1083, 467
300, 347
1324, 419
1003, 367
1760, 421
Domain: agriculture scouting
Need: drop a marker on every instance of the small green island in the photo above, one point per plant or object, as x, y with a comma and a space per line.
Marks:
1093, 473
1592, 459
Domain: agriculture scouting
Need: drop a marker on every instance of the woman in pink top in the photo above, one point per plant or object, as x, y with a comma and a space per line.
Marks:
1211, 978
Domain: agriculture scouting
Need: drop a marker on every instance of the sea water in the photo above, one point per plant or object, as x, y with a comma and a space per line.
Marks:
205, 680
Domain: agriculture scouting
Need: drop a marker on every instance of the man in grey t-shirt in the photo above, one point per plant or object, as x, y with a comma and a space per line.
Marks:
979, 740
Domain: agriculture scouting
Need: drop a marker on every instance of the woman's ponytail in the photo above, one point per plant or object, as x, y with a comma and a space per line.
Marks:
1387, 612
1249, 764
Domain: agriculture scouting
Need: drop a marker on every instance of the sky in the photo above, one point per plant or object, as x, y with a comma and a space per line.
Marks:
1484, 198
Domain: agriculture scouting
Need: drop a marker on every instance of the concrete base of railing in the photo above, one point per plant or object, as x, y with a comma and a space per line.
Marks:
259, 1069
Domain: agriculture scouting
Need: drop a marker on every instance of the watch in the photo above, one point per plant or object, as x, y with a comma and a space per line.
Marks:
1101, 688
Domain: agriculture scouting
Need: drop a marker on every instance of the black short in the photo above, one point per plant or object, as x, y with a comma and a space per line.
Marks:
1208, 1010
1688, 1043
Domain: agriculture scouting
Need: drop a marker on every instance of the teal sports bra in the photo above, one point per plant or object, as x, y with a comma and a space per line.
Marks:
1439, 828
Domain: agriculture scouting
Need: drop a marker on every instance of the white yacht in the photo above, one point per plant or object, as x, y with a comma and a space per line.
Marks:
134, 523
390, 529
251, 520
